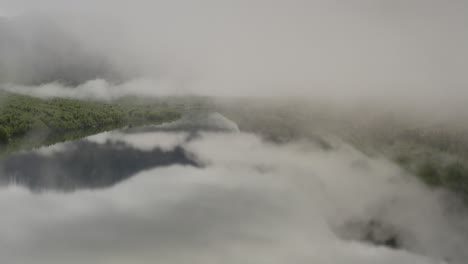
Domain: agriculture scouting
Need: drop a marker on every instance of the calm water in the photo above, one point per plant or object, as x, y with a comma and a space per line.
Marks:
201, 191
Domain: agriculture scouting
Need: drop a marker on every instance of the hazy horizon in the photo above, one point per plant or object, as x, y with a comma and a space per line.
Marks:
333, 132
389, 50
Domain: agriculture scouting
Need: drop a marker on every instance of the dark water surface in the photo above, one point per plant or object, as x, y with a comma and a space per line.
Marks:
85, 165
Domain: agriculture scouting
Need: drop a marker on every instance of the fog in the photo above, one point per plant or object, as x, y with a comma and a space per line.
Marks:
250, 201
398, 52
280, 182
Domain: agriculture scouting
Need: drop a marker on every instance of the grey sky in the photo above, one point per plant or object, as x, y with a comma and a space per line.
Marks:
342, 49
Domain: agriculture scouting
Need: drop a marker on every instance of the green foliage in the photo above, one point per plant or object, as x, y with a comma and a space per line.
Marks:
434, 151
449, 175
429, 174
4, 137
25, 120
456, 177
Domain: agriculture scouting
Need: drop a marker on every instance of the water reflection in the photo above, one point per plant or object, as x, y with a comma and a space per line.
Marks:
106, 159
251, 201
85, 164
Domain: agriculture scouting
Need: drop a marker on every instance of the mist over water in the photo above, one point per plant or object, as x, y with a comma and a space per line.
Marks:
283, 183
232, 197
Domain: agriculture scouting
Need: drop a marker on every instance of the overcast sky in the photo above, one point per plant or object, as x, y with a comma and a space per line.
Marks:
332, 48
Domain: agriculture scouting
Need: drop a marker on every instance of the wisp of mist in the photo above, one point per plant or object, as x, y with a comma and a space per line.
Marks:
248, 199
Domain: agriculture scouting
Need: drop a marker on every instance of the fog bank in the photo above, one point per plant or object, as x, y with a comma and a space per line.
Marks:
395, 51
251, 200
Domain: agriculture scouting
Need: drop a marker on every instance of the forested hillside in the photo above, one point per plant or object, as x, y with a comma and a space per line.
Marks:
29, 121
435, 152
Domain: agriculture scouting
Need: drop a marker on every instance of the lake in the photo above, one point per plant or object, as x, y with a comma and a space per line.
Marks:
200, 190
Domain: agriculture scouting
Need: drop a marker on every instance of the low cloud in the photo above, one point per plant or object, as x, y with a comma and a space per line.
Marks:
252, 200
368, 50
98, 89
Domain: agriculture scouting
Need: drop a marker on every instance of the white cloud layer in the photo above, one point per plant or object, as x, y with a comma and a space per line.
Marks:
253, 202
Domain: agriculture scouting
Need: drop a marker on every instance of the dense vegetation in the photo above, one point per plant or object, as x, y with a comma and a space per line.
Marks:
27, 121
438, 159
437, 154
434, 151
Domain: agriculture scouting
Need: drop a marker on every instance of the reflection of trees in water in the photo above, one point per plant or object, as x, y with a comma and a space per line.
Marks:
85, 165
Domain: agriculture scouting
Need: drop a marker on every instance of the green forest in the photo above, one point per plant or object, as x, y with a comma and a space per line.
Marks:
437, 154
27, 122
